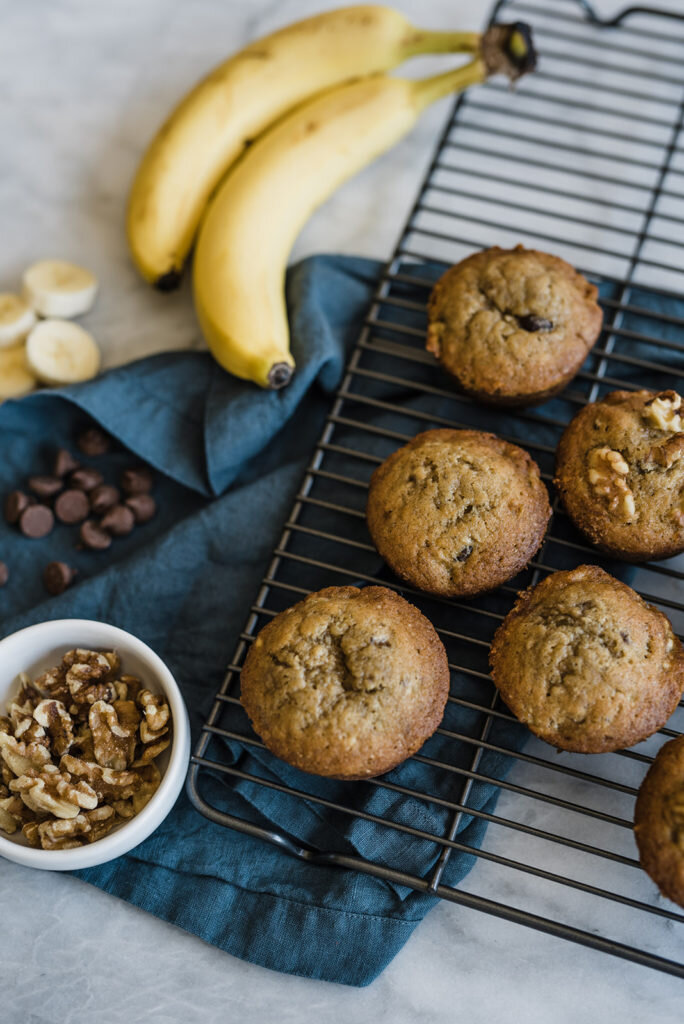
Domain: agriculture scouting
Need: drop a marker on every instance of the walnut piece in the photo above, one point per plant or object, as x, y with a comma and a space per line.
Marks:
66, 834
54, 792
10, 816
150, 751
56, 721
26, 728
607, 472
107, 783
53, 684
668, 452
30, 830
150, 780
128, 687
663, 411
114, 734
86, 677
22, 757
156, 712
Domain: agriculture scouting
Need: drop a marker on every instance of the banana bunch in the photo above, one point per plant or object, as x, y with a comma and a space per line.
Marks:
243, 161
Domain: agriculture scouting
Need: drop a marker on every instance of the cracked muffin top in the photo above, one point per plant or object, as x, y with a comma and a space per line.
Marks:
586, 664
457, 512
620, 473
513, 326
347, 683
659, 821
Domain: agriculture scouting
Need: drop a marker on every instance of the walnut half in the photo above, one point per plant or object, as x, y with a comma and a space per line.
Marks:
607, 472
663, 411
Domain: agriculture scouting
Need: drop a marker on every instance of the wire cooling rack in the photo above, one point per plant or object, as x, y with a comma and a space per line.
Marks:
584, 159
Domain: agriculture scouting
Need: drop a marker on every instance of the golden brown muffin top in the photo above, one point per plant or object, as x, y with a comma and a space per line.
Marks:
513, 324
620, 473
347, 683
457, 511
586, 664
659, 821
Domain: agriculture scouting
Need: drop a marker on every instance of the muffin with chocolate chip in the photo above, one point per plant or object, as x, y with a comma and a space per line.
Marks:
457, 512
513, 326
586, 664
347, 683
620, 473
659, 821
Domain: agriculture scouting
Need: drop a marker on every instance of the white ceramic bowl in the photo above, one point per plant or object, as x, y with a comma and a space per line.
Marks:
38, 648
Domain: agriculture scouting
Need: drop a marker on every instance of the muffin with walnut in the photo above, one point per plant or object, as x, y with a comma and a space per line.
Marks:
620, 473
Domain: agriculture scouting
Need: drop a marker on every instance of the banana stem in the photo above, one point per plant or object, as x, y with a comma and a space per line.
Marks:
440, 42
427, 90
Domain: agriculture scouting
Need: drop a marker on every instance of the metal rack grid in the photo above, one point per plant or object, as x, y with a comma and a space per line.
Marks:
585, 158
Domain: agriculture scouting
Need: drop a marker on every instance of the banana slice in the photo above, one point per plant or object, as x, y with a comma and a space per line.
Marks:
59, 352
15, 377
58, 288
16, 319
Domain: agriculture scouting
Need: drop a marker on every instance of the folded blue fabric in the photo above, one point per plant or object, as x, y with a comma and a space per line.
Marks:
230, 458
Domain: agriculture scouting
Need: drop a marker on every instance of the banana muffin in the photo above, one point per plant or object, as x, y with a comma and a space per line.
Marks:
347, 683
457, 512
513, 326
620, 473
586, 664
659, 821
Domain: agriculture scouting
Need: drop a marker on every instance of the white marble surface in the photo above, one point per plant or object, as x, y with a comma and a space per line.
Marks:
82, 86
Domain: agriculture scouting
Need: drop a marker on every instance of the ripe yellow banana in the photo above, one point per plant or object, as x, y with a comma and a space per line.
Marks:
211, 127
251, 224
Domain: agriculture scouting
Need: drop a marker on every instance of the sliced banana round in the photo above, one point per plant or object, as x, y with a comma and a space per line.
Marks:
16, 378
58, 288
59, 352
16, 319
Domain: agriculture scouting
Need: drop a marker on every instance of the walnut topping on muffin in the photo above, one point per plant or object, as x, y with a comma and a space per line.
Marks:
663, 411
620, 474
607, 471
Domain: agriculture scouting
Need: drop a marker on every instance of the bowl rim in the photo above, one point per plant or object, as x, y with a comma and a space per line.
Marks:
134, 831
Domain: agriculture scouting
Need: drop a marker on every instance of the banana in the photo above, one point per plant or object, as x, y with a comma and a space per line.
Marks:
251, 224
16, 319
15, 377
60, 352
58, 288
215, 122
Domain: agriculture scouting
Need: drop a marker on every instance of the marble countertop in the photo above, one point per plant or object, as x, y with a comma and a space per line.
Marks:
82, 87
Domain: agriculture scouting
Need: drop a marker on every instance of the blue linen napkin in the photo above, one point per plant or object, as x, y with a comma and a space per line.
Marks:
230, 458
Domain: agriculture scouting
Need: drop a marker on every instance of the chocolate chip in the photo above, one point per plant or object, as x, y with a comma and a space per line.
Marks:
86, 479
15, 503
143, 507
45, 486
36, 521
94, 442
535, 323
93, 536
4, 574
464, 553
57, 576
72, 506
136, 481
64, 463
103, 498
118, 521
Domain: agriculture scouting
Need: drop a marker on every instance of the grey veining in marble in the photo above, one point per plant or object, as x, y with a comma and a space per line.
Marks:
83, 85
